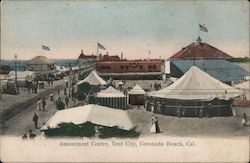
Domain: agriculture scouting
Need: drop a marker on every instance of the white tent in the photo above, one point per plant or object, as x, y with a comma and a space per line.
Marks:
137, 90
112, 98
93, 79
110, 92
136, 95
196, 84
244, 86
95, 114
21, 75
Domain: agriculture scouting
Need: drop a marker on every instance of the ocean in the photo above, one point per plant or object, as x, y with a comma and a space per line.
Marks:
21, 64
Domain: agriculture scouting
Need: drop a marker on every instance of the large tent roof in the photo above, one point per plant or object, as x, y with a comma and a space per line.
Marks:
220, 69
93, 79
199, 50
40, 60
197, 85
110, 92
137, 90
96, 114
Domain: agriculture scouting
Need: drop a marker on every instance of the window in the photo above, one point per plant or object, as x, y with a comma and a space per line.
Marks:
121, 67
149, 66
141, 66
154, 67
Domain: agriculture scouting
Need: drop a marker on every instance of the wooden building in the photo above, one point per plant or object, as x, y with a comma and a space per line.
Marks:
130, 69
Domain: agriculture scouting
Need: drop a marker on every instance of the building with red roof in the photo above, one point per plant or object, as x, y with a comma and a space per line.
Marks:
130, 69
207, 58
200, 50
86, 62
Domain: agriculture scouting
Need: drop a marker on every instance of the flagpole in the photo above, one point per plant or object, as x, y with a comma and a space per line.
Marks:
97, 52
199, 31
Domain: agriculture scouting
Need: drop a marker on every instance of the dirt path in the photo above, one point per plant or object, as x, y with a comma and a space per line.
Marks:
22, 122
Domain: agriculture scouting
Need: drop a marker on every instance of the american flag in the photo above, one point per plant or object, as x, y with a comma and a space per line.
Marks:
45, 47
203, 28
101, 46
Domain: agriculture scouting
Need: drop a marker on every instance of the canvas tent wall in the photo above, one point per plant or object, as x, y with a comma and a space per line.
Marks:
112, 98
188, 108
192, 92
136, 95
98, 115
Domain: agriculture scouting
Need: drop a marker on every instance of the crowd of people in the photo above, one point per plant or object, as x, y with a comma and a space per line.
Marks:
62, 101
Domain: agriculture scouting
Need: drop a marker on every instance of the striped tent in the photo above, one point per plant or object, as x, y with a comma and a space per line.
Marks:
112, 98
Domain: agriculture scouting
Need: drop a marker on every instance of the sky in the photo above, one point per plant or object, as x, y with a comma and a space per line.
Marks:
131, 27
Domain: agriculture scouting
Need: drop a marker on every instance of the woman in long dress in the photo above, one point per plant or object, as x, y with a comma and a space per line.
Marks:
157, 127
152, 125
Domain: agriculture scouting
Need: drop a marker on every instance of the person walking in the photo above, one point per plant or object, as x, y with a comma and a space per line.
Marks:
179, 111
152, 125
65, 91
201, 112
35, 120
51, 96
67, 101
244, 119
43, 103
183, 112
39, 107
66, 84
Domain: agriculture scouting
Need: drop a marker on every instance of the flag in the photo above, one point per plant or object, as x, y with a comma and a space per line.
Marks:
101, 46
45, 48
203, 28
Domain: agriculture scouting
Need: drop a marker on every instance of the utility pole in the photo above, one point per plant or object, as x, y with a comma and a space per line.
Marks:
15, 57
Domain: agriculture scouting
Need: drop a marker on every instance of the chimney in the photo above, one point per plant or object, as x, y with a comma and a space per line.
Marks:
121, 55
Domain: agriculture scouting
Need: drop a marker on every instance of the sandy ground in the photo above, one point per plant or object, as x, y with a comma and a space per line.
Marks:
174, 126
